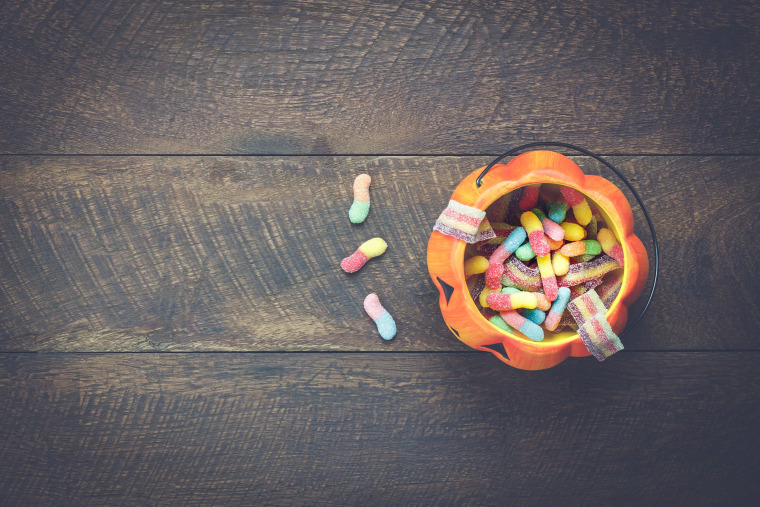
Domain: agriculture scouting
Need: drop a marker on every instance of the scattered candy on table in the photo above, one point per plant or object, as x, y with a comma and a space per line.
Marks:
559, 251
360, 207
367, 250
386, 326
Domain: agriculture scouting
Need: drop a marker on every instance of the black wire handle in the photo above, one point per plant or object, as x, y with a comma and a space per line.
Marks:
479, 182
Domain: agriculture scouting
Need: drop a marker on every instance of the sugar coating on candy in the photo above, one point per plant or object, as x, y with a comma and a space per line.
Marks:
543, 302
548, 280
582, 212
526, 327
593, 328
599, 338
386, 326
534, 315
609, 288
525, 252
475, 266
502, 302
585, 271
497, 321
367, 250
535, 230
529, 197
360, 207
460, 221
558, 308
521, 276
557, 212
610, 245
516, 238
485, 232
373, 247
554, 245
560, 263
483, 297
539, 214
553, 230
493, 274
583, 247
571, 195
573, 232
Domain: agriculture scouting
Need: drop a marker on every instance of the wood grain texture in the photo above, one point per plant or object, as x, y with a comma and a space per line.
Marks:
378, 429
392, 77
242, 253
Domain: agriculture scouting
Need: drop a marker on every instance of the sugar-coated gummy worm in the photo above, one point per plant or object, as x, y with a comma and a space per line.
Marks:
386, 326
553, 230
558, 308
366, 251
525, 252
529, 197
585, 271
526, 327
573, 232
583, 247
581, 209
560, 263
610, 245
496, 260
554, 245
534, 315
548, 280
475, 266
535, 231
483, 297
557, 211
360, 207
497, 321
502, 302
543, 302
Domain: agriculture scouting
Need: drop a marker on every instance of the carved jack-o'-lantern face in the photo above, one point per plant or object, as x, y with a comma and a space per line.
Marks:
445, 259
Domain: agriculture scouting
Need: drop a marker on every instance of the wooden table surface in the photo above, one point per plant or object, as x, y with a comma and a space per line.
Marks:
174, 185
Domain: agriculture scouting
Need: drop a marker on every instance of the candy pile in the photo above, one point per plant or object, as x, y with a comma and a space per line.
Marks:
551, 247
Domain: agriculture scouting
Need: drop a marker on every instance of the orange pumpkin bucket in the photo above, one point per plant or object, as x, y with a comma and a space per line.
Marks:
445, 254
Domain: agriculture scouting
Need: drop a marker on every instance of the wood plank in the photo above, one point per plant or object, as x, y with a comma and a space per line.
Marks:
378, 429
302, 77
228, 253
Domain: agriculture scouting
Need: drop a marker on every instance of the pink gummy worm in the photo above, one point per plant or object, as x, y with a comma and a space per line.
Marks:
354, 262
493, 275
553, 230
513, 318
538, 243
373, 307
